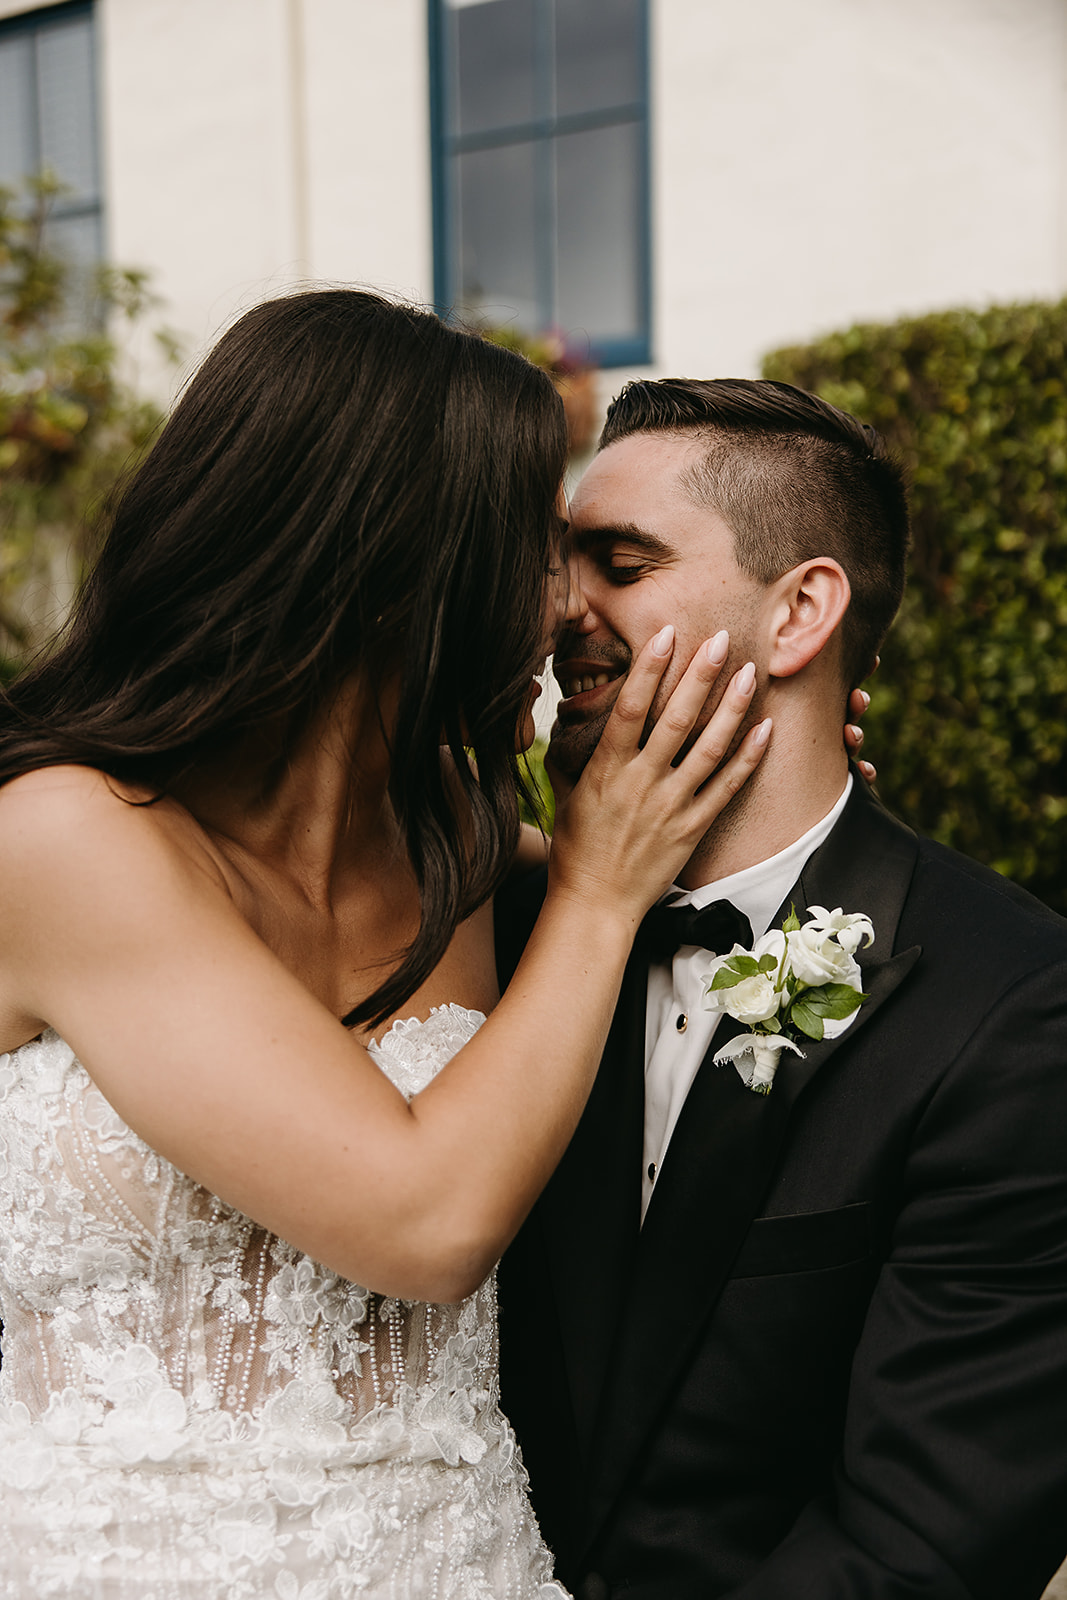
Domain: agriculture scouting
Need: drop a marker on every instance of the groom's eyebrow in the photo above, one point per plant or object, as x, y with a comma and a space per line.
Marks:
625, 533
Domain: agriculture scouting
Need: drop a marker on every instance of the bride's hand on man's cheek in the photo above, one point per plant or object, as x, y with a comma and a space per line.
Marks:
858, 701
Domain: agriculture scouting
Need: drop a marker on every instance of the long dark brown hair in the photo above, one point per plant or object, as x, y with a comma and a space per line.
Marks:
346, 483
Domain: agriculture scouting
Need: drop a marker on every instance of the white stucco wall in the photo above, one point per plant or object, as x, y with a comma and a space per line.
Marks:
822, 163
815, 162
253, 144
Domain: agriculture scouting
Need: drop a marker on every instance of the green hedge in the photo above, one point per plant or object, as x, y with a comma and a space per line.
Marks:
968, 721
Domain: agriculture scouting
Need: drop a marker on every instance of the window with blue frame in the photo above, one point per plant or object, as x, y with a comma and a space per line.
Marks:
540, 121
48, 119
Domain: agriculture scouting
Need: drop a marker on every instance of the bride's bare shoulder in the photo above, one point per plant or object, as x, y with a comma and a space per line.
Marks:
83, 859
53, 813
67, 784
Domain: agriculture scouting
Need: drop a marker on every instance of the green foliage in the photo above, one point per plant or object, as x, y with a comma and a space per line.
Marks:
68, 427
831, 1000
968, 719
545, 350
534, 762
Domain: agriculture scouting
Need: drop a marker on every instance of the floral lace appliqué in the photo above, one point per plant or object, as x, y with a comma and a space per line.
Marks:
190, 1409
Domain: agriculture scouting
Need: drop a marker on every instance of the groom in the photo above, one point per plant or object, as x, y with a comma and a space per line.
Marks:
808, 1345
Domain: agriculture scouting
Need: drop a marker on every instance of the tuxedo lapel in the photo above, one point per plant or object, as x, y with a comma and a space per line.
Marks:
727, 1142
591, 1211
865, 865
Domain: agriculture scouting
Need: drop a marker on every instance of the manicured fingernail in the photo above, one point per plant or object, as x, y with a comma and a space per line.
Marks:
746, 678
762, 733
865, 697
856, 731
716, 648
663, 643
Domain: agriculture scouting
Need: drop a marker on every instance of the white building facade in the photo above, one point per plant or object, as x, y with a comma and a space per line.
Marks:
794, 165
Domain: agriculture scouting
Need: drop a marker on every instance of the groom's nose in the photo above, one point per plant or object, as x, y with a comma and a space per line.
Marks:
578, 617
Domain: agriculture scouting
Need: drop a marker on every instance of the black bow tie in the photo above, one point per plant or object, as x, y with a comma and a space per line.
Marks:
715, 928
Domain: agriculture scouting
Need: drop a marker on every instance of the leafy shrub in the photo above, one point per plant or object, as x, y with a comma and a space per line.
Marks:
968, 720
68, 426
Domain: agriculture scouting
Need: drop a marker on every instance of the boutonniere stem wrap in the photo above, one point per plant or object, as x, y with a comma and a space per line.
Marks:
797, 981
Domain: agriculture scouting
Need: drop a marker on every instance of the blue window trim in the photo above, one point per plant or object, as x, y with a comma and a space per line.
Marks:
626, 352
36, 22
28, 21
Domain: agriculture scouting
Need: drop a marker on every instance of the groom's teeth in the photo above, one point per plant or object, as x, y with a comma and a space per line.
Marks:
573, 686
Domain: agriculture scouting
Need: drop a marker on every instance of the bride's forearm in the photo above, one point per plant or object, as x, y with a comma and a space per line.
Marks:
506, 1107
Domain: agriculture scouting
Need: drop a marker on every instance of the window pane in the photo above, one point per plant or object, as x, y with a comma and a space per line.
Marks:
494, 51
66, 89
18, 148
497, 269
598, 54
599, 270
77, 240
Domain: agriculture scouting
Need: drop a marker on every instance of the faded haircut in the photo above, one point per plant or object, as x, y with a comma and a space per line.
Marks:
794, 478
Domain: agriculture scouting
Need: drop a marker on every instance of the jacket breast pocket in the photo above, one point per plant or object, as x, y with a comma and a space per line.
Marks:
809, 1241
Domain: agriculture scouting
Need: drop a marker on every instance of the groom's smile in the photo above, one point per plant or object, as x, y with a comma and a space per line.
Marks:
584, 669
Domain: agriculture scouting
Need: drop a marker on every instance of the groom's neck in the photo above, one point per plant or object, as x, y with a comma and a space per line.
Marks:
795, 786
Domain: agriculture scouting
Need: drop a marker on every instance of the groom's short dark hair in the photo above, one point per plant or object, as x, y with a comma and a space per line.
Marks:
794, 478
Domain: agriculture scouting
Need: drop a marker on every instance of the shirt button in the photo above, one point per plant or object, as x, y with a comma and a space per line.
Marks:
651, 1172
681, 1022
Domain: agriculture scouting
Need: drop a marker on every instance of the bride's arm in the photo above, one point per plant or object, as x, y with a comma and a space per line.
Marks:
218, 1056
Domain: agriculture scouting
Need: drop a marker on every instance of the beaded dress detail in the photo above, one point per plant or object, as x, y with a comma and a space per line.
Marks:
190, 1409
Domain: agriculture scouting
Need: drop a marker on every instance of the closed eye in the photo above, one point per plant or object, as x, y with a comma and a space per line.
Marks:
622, 572
624, 554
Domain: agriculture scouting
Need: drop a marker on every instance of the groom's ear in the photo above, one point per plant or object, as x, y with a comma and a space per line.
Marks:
806, 606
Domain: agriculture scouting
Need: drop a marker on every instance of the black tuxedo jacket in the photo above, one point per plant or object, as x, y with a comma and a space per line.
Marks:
833, 1363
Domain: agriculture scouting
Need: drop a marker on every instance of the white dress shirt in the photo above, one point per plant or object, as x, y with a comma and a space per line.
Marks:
678, 1030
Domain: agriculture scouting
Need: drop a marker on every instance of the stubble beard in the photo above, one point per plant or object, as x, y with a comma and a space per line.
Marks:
570, 747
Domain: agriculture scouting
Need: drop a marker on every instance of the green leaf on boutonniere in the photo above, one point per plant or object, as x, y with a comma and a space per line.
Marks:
746, 966
807, 1020
725, 978
767, 963
835, 1000
830, 1001
792, 921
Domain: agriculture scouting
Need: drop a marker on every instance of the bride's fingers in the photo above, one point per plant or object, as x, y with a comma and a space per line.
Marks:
674, 730
731, 775
675, 723
625, 727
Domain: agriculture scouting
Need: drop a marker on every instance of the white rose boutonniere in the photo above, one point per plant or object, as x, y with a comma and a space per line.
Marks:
796, 980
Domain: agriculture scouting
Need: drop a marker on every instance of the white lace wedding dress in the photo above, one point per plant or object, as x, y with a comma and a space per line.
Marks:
190, 1409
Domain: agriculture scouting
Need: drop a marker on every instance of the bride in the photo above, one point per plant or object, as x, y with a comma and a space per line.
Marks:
248, 1216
